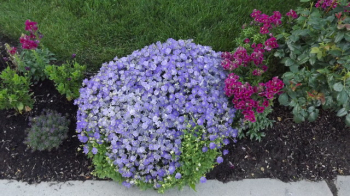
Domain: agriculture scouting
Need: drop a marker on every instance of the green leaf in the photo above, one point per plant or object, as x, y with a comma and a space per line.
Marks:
289, 62
303, 58
342, 112
283, 99
342, 97
315, 50
279, 54
336, 53
338, 86
193, 186
294, 38
347, 36
347, 120
301, 19
288, 75
293, 103
294, 68
312, 59
304, 0
20, 106
311, 109
298, 118
312, 116
319, 55
339, 36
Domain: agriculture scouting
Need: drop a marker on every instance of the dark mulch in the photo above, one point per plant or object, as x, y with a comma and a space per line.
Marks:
289, 152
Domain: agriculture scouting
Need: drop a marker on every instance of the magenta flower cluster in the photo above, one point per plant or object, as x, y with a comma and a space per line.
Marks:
266, 21
325, 4
246, 97
241, 57
292, 14
242, 95
30, 41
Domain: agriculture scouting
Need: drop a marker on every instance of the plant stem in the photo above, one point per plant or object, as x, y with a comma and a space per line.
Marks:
331, 6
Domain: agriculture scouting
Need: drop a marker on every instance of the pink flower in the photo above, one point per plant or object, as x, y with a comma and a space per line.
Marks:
260, 109
270, 44
276, 18
31, 26
13, 50
263, 18
266, 103
255, 13
264, 68
257, 72
292, 14
324, 4
27, 43
246, 40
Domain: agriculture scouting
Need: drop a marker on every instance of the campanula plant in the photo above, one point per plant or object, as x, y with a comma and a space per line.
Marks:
317, 53
67, 78
136, 114
47, 131
34, 57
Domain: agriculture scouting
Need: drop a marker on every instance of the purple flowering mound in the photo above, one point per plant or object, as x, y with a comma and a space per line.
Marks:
137, 107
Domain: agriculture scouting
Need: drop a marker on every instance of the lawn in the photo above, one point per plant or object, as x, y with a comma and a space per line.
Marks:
97, 31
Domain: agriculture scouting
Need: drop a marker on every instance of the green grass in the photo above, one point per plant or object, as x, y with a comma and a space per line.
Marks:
99, 30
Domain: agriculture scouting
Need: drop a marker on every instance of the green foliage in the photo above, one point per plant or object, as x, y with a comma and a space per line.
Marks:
14, 91
194, 162
317, 53
34, 62
67, 78
254, 130
47, 131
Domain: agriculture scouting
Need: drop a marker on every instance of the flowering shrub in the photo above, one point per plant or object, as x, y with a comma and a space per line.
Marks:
47, 131
250, 89
136, 113
317, 51
31, 60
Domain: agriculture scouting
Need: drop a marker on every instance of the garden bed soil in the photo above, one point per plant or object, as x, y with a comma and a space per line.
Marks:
289, 152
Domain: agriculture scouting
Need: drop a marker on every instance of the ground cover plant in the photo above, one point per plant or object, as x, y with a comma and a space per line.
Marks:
47, 131
141, 109
290, 151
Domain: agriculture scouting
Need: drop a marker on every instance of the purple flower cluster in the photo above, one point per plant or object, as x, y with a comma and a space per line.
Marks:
139, 106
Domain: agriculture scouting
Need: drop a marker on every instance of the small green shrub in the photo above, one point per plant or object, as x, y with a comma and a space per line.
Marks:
47, 131
14, 91
67, 78
34, 62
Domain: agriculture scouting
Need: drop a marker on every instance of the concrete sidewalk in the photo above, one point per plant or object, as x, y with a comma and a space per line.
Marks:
247, 187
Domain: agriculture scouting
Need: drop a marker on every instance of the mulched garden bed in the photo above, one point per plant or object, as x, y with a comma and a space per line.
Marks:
289, 152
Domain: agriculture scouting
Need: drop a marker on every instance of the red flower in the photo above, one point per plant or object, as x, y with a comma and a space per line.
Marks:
27, 43
31, 26
292, 14
13, 50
